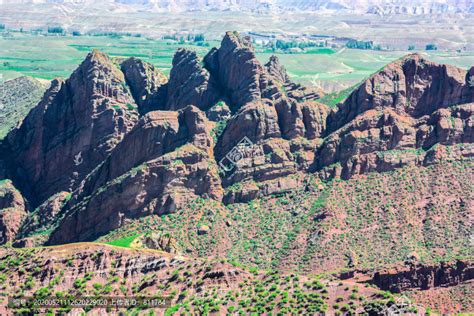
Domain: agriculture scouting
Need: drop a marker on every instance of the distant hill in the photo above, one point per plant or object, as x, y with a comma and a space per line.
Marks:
381, 7
17, 98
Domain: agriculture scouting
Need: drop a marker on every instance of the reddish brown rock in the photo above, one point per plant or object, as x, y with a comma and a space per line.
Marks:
147, 84
238, 71
423, 277
190, 83
161, 164
293, 90
314, 119
257, 121
395, 117
158, 186
72, 130
383, 140
449, 126
34, 230
412, 85
155, 134
161, 241
290, 118
12, 211
277, 70
85, 135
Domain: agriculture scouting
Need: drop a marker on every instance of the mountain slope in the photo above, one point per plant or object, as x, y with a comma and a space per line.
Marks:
72, 129
17, 97
229, 158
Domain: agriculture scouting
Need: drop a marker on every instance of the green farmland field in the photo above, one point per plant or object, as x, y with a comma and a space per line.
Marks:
53, 56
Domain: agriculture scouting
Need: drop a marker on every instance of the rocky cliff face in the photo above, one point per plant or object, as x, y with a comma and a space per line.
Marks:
423, 277
13, 211
190, 83
412, 86
162, 163
72, 130
405, 109
238, 71
118, 155
147, 84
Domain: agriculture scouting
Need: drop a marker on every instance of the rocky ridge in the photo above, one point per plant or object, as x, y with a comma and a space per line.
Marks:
72, 129
118, 143
188, 284
126, 142
422, 277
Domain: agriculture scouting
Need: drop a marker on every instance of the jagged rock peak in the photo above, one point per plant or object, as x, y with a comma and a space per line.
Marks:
233, 40
146, 84
185, 55
97, 61
190, 83
277, 70
73, 128
240, 75
411, 85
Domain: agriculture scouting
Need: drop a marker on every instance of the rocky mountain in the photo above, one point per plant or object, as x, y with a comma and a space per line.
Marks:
382, 7
229, 158
72, 129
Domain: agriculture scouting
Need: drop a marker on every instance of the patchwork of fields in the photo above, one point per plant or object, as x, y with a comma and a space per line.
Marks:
52, 56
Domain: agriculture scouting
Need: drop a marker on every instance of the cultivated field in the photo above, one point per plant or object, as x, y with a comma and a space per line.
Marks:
53, 56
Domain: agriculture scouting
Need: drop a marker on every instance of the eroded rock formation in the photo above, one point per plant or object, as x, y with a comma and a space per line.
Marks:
13, 211
118, 154
423, 277
147, 84
162, 163
72, 130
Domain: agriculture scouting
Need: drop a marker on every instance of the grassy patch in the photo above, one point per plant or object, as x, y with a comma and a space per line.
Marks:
123, 242
333, 99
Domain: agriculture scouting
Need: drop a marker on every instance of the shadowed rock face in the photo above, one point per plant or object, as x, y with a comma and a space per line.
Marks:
42, 219
149, 171
423, 277
13, 211
394, 118
238, 72
190, 83
72, 130
85, 136
146, 83
413, 86
267, 104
